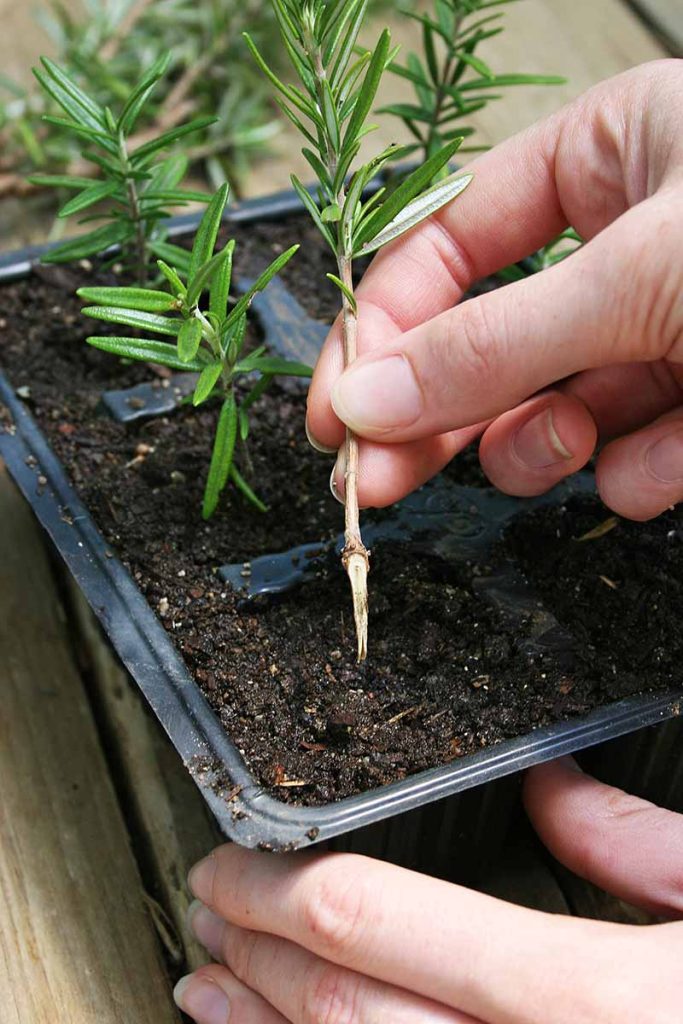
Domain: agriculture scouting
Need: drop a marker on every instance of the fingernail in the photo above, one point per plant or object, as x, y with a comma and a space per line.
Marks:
200, 879
379, 396
665, 458
337, 473
206, 927
537, 443
202, 999
314, 443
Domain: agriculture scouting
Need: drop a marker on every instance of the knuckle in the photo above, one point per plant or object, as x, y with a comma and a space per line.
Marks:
475, 339
331, 997
652, 316
446, 252
241, 956
334, 912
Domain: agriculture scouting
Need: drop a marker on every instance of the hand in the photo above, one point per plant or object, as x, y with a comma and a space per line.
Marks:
592, 348
340, 939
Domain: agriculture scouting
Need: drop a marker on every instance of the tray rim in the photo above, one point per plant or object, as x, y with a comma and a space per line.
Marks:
252, 817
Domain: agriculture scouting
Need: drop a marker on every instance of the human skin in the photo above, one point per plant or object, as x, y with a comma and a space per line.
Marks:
341, 939
589, 351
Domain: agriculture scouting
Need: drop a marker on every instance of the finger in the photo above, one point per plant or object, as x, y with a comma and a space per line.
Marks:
621, 843
306, 989
490, 353
556, 445
627, 396
641, 475
388, 472
376, 328
530, 449
213, 995
577, 166
497, 962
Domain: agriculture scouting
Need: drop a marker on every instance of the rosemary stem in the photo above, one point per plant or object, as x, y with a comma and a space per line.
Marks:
140, 242
355, 556
135, 214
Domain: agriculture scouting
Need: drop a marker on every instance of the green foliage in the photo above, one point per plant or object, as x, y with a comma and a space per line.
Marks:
450, 78
209, 338
105, 49
330, 106
138, 188
556, 251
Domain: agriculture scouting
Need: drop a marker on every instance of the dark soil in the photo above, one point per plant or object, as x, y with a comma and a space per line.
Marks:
618, 594
447, 673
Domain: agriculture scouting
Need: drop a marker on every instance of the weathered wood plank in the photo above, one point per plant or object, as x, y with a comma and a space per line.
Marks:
76, 942
583, 40
171, 825
665, 18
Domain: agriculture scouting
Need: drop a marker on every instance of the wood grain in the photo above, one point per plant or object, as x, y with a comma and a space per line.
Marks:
166, 814
76, 942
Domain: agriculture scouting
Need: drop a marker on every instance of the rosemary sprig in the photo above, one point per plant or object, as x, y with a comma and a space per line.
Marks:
450, 78
136, 191
330, 106
208, 338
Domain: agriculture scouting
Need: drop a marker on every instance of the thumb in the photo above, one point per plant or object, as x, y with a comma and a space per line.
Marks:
616, 300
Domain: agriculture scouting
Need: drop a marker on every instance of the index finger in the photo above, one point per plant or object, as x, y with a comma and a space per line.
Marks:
492, 960
419, 276
524, 192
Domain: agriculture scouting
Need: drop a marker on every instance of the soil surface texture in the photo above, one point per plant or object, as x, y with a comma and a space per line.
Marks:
448, 673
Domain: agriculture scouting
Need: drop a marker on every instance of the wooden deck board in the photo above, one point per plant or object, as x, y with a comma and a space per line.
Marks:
76, 942
166, 814
665, 18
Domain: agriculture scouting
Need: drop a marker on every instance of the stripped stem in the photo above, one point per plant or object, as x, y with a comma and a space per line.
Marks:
355, 556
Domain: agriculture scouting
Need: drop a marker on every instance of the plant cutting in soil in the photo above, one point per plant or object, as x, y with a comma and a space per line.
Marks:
556, 614
338, 89
210, 339
140, 189
450, 673
452, 82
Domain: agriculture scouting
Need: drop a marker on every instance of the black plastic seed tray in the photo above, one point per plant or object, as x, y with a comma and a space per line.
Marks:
452, 521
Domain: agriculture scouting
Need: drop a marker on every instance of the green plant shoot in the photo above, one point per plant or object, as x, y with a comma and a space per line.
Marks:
450, 78
136, 190
330, 106
207, 337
